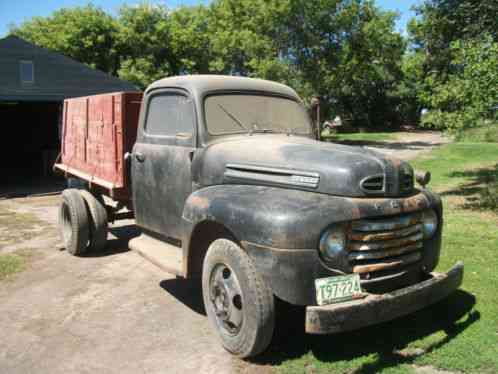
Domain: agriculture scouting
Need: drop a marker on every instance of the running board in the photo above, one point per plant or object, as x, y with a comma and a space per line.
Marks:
164, 255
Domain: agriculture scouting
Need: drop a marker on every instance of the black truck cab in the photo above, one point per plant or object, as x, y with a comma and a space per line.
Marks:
229, 185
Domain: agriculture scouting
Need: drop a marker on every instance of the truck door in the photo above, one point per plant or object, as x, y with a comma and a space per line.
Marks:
161, 161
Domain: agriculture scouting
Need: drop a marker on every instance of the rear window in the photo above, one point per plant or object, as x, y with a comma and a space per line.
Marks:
238, 113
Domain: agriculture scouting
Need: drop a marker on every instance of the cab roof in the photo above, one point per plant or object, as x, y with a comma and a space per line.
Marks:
199, 85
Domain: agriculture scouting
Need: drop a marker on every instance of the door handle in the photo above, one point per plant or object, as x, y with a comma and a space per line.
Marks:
140, 157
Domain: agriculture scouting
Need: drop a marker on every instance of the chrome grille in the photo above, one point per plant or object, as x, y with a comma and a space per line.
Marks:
377, 246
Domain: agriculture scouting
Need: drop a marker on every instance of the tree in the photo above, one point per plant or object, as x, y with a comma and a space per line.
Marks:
470, 93
409, 86
190, 39
350, 53
244, 37
345, 51
440, 34
86, 34
143, 43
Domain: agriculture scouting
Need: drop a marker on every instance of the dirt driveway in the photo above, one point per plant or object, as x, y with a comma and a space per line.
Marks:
108, 313
111, 313
406, 145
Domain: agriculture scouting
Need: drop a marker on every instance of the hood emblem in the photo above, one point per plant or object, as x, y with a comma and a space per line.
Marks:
305, 180
271, 175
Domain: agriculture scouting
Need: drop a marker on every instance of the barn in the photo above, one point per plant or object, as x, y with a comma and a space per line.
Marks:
33, 85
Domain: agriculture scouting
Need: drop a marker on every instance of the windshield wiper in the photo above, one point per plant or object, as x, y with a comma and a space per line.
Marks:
233, 118
263, 130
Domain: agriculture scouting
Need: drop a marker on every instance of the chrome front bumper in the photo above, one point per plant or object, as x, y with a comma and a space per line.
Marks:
380, 308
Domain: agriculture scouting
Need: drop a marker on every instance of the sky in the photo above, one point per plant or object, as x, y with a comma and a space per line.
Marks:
15, 12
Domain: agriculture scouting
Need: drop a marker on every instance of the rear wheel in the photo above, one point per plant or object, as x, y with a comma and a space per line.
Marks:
73, 222
97, 220
238, 301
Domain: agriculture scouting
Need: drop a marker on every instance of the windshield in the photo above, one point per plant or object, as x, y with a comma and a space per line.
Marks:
236, 113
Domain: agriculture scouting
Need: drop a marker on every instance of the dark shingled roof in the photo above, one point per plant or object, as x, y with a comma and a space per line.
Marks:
56, 77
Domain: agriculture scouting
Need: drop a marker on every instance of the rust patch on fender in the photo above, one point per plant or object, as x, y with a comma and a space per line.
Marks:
199, 202
396, 162
355, 212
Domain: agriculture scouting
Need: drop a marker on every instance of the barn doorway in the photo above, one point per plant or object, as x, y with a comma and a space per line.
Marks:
29, 145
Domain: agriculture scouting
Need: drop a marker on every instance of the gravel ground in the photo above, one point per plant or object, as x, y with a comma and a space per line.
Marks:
110, 313
409, 145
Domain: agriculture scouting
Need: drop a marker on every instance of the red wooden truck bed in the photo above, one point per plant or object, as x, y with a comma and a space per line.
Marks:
97, 131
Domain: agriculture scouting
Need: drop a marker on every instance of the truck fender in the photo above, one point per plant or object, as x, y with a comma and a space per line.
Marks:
268, 216
280, 228
285, 218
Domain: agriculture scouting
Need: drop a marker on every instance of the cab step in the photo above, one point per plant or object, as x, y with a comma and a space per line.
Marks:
164, 255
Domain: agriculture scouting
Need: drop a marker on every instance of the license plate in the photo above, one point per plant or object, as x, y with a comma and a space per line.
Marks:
336, 289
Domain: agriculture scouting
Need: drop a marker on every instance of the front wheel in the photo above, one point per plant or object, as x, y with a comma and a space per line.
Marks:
238, 301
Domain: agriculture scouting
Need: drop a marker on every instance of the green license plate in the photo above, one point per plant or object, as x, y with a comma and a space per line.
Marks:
336, 289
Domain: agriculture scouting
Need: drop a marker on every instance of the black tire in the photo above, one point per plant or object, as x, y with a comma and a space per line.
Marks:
97, 217
73, 222
244, 322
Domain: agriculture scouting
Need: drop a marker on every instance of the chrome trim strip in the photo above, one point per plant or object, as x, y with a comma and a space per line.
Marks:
272, 175
362, 246
271, 170
386, 235
387, 224
392, 252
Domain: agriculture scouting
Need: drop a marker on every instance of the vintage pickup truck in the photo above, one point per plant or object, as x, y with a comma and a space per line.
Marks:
227, 184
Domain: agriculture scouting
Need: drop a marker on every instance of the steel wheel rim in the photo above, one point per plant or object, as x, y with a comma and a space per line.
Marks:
226, 299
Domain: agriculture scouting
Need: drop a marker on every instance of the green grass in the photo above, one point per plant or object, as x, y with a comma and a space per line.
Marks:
360, 136
10, 264
18, 226
457, 163
487, 133
460, 333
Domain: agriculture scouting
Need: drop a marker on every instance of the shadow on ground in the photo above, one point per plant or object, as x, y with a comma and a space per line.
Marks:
479, 190
186, 291
389, 340
118, 244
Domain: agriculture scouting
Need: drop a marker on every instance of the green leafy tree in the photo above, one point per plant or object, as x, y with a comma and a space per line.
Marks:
143, 42
345, 51
404, 96
441, 33
350, 53
470, 94
190, 39
86, 34
244, 37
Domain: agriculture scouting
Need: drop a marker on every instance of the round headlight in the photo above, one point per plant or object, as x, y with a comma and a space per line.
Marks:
333, 243
430, 222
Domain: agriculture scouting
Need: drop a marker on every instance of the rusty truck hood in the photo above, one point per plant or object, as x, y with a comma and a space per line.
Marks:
301, 163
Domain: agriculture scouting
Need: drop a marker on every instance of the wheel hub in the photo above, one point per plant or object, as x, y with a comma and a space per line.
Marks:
226, 299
